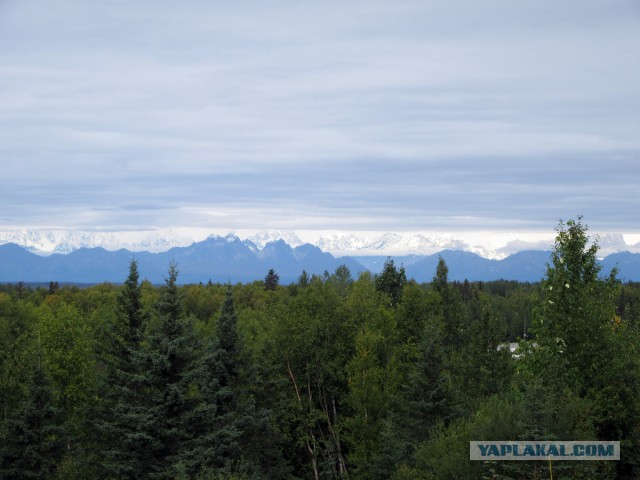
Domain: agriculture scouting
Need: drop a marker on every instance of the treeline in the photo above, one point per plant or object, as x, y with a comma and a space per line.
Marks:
330, 377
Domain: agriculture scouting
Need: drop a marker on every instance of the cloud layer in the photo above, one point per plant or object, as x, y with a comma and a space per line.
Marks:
410, 115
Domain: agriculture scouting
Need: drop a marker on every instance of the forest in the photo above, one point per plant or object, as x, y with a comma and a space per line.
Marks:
375, 377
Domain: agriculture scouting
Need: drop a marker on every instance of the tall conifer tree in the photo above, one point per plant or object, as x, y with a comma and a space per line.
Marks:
32, 445
126, 421
225, 416
172, 353
391, 281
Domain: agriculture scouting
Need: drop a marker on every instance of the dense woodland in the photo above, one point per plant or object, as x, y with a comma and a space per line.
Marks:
375, 377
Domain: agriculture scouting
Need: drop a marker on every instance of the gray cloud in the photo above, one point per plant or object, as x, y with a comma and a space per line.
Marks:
370, 115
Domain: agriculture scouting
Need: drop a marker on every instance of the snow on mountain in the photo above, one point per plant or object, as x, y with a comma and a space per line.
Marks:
45, 242
418, 243
608, 243
613, 243
261, 239
388, 244
516, 246
492, 246
397, 244
344, 243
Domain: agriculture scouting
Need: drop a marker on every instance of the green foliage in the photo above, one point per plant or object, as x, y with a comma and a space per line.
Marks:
221, 413
341, 280
574, 323
582, 346
327, 378
371, 382
448, 306
67, 343
482, 368
412, 313
227, 339
32, 443
202, 302
66, 340
373, 375
309, 347
130, 306
125, 420
303, 279
17, 318
428, 394
538, 413
172, 356
391, 281
272, 280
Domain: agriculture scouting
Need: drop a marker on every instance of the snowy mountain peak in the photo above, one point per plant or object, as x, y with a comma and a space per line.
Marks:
263, 238
341, 242
495, 246
45, 242
394, 244
228, 238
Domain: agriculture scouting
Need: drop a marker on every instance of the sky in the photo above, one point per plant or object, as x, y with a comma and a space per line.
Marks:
444, 115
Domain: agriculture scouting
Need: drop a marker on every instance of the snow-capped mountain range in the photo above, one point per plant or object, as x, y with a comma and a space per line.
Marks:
491, 246
229, 258
46, 242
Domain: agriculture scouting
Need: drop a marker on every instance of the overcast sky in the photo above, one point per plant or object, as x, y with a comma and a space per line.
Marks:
442, 115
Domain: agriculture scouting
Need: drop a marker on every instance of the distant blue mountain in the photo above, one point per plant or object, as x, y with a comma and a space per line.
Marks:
627, 263
219, 259
526, 266
223, 259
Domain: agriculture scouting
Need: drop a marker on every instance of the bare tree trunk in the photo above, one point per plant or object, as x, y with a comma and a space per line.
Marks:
311, 445
332, 418
342, 464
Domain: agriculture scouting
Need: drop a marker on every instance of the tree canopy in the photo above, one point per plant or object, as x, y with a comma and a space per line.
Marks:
373, 377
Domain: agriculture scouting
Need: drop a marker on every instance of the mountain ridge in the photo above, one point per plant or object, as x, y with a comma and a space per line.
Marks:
339, 243
229, 258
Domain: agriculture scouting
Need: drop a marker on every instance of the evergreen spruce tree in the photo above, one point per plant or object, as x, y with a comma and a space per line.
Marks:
342, 280
483, 367
172, 355
33, 443
272, 280
126, 422
449, 305
227, 342
304, 279
427, 395
391, 281
449, 321
130, 307
225, 442
213, 445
